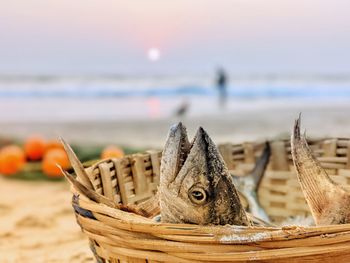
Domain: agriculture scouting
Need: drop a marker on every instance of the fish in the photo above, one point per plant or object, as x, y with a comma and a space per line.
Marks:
248, 185
195, 184
328, 201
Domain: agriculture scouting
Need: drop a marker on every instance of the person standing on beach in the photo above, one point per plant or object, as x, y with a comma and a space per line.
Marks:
221, 84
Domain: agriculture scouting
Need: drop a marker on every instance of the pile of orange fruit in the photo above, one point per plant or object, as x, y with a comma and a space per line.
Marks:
49, 153
35, 149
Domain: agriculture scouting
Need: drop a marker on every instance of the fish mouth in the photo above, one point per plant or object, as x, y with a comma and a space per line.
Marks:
184, 147
174, 153
178, 149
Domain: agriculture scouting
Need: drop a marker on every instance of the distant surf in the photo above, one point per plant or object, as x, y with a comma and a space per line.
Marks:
172, 86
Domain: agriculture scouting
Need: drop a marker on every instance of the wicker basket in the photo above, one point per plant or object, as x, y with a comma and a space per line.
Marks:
120, 236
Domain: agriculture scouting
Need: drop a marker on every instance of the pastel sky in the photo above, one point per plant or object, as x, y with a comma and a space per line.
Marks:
113, 36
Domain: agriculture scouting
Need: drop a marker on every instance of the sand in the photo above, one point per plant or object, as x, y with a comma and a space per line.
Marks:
37, 223
245, 124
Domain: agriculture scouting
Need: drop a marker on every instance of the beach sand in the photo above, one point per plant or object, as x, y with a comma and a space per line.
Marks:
37, 223
226, 126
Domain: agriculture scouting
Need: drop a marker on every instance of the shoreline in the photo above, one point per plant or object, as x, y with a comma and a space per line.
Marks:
245, 125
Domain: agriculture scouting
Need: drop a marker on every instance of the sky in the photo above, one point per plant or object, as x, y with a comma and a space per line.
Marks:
114, 36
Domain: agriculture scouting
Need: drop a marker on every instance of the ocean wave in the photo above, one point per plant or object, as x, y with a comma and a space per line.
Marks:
239, 92
118, 86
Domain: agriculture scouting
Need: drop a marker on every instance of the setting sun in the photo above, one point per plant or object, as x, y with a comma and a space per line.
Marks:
153, 54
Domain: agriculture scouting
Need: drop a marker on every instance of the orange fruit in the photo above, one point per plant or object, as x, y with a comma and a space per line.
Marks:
53, 144
34, 147
112, 151
50, 161
12, 159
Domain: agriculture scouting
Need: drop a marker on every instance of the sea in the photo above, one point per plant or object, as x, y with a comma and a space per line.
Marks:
105, 97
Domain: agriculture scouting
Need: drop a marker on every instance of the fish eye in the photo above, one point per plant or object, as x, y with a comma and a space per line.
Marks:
198, 195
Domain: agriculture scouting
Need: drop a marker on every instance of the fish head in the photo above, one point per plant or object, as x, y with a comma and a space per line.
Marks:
195, 185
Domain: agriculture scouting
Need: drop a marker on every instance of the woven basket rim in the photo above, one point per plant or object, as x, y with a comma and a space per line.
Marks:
227, 234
